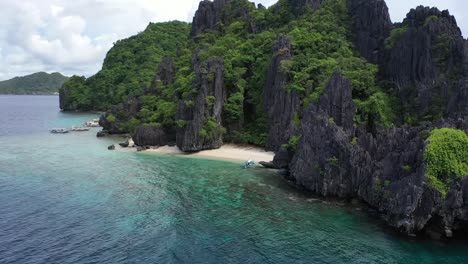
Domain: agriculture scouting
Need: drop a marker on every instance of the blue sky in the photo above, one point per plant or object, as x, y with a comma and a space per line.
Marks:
73, 36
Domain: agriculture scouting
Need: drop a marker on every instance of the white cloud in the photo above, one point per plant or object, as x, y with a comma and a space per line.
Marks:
73, 36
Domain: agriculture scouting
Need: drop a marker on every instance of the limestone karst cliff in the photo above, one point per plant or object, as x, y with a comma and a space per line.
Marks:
353, 104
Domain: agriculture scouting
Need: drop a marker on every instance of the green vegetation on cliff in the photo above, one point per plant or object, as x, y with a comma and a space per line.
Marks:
130, 65
446, 158
321, 45
37, 83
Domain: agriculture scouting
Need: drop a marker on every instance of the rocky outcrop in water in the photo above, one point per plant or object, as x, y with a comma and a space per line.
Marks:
280, 104
65, 101
423, 62
199, 115
371, 25
208, 15
385, 169
148, 135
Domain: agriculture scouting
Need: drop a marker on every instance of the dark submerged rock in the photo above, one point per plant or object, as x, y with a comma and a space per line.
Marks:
268, 164
125, 144
102, 133
111, 147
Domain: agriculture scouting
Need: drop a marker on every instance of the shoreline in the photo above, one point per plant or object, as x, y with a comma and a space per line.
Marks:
227, 152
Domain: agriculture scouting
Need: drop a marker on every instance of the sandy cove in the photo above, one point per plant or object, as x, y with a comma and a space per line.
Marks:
229, 152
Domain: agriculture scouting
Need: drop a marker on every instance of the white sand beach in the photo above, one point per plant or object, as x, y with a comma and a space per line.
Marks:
226, 152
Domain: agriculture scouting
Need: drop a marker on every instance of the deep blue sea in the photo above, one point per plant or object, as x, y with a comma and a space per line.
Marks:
67, 199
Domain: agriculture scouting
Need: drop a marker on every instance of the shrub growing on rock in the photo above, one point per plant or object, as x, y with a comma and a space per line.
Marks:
446, 158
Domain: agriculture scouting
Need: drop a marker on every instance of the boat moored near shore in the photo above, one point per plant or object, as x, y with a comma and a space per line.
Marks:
59, 131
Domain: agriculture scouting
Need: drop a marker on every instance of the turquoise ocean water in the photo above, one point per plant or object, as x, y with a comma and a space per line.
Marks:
67, 199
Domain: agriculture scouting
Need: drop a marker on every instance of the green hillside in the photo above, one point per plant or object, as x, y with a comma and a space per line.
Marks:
128, 68
37, 83
320, 43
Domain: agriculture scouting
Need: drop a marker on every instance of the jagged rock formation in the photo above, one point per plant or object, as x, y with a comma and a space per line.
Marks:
386, 170
299, 6
324, 143
165, 75
200, 113
424, 61
148, 135
122, 113
371, 25
208, 15
337, 102
343, 152
458, 105
65, 101
280, 104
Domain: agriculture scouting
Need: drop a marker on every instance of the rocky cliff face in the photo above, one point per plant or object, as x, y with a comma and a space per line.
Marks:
280, 104
325, 144
148, 135
122, 112
423, 62
165, 75
65, 100
458, 105
372, 25
199, 114
385, 169
208, 15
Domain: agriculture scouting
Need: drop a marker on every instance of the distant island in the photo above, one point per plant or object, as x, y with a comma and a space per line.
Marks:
36, 83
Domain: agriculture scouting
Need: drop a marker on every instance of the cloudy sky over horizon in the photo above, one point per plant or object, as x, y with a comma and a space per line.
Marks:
72, 37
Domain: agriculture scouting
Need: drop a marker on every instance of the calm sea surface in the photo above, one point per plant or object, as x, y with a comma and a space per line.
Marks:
67, 199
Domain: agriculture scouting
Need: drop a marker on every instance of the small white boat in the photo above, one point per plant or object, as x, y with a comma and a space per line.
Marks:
248, 164
93, 123
80, 129
59, 131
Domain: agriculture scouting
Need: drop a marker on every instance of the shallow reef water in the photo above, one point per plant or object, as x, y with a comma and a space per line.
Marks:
67, 199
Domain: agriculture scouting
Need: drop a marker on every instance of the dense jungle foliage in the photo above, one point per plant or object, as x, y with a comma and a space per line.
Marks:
321, 45
446, 157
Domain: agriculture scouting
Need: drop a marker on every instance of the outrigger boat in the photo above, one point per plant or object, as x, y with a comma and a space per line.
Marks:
80, 129
248, 164
59, 131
